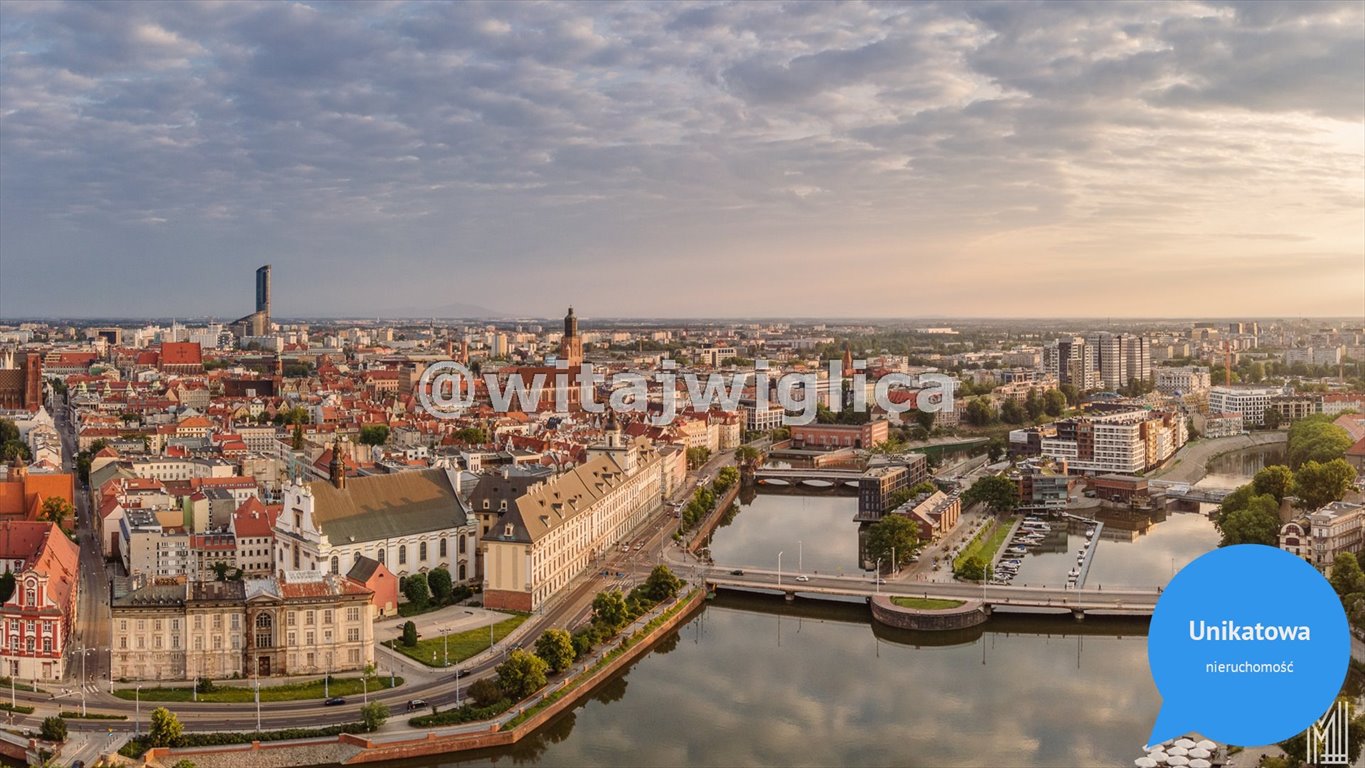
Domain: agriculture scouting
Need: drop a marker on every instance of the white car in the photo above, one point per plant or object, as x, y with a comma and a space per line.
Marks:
803, 577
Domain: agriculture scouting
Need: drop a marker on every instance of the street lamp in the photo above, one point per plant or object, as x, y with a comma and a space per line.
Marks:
137, 710
445, 643
877, 576
779, 569
800, 557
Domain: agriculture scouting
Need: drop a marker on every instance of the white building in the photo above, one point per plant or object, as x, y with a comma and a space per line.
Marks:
1188, 380
1250, 402
412, 522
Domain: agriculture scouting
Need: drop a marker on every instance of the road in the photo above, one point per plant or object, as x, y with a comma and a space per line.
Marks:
571, 607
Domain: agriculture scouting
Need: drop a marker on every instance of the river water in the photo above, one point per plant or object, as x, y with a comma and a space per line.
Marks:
755, 681
752, 681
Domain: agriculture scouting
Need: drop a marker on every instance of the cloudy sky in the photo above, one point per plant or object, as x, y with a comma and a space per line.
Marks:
683, 160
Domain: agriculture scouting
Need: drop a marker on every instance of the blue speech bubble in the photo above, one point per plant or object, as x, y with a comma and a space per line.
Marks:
1248, 645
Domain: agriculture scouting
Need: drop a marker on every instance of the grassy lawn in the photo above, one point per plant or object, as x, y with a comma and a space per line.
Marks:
233, 694
929, 604
431, 651
985, 546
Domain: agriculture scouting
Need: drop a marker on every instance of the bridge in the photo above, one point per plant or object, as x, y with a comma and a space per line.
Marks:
1078, 602
813, 477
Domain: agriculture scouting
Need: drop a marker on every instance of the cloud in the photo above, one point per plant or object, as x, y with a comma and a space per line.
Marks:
469, 150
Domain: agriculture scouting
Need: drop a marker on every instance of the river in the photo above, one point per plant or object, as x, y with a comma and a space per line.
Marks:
755, 681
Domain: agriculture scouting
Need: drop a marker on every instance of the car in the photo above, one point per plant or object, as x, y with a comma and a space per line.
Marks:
880, 581
335, 701
417, 704
803, 577
736, 572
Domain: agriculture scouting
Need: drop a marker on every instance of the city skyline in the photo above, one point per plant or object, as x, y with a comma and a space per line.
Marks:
677, 161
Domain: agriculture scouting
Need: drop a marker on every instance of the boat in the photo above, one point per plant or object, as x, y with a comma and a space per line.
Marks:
1074, 573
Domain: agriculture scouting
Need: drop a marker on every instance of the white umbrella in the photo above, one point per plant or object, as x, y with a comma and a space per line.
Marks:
1145, 762
1177, 760
1199, 752
1158, 755
1200, 762
1206, 744
1177, 751
1186, 743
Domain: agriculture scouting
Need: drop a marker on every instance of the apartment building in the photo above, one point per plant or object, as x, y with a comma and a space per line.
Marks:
1250, 402
1126, 442
36, 620
1186, 380
147, 547
553, 532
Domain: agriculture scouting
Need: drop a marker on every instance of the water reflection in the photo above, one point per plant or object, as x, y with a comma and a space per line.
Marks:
815, 531
756, 681
1233, 469
1136, 548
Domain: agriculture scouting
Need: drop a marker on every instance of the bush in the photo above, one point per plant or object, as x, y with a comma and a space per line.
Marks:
485, 692
53, 729
440, 584
465, 714
410, 634
136, 746
415, 589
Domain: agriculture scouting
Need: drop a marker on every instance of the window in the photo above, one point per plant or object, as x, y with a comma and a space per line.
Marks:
218, 642
442, 549
336, 564
289, 618
402, 554
308, 638
311, 618
291, 639
327, 636
122, 643
327, 616
31, 596
47, 645
353, 635
422, 552
198, 643
353, 614
264, 624
236, 620
198, 622
381, 556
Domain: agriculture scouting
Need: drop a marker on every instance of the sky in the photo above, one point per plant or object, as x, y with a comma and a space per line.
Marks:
683, 160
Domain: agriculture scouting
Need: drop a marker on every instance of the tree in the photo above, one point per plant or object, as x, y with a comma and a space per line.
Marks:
374, 715
1347, 578
1271, 418
892, 533
296, 439
409, 634
374, 434
1054, 402
53, 729
997, 492
1011, 412
980, 412
747, 455
485, 692
472, 436
6, 586
1033, 405
609, 610
220, 570
1256, 523
661, 584
971, 569
165, 729
697, 457
415, 589
522, 674
440, 584
1319, 484
1072, 395
1316, 438
555, 648
995, 449
1276, 480
183, 762
57, 510
925, 419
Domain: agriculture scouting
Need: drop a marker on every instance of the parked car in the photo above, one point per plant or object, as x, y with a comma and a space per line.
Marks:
736, 572
334, 701
417, 704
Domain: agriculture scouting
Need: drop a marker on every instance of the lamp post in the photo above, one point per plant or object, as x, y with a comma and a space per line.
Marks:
137, 710
779, 569
877, 576
83, 652
445, 643
457, 685
800, 557
258, 701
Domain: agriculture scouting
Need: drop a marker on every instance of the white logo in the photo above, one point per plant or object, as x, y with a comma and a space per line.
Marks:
1327, 739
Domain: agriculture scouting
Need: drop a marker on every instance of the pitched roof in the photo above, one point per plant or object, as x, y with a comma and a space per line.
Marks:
551, 505
387, 506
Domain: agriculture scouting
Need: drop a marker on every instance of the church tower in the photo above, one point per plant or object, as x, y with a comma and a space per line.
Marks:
571, 346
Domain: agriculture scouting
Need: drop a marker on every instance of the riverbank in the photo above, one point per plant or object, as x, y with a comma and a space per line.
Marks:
708, 526
1191, 463
508, 729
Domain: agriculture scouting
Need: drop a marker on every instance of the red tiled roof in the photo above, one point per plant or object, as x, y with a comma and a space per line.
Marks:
181, 353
